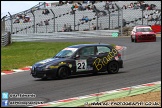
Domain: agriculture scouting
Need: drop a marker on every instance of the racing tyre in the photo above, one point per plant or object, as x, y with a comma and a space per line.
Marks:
113, 67
132, 40
135, 40
63, 73
95, 73
44, 78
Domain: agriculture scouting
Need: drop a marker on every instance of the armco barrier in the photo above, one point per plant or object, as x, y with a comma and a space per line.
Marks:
5, 39
63, 35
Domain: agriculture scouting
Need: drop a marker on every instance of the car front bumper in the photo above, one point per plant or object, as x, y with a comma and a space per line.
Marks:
144, 38
45, 73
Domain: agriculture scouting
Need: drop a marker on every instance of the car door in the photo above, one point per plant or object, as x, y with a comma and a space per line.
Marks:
100, 63
84, 63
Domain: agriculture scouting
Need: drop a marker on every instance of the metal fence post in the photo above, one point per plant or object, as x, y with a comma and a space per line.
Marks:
112, 24
109, 18
16, 30
142, 16
11, 22
88, 24
46, 28
26, 30
78, 26
74, 20
57, 27
97, 23
33, 22
121, 22
53, 20
36, 28
118, 13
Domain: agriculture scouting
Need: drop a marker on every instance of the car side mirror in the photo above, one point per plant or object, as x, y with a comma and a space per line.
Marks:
77, 56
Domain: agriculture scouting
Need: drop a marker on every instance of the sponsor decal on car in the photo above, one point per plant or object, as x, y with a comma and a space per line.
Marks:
61, 63
70, 65
145, 32
99, 63
81, 65
53, 67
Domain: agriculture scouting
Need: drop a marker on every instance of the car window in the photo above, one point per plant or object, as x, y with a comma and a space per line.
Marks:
143, 29
87, 51
102, 49
67, 52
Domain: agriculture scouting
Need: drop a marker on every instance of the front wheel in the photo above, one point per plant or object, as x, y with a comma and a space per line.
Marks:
113, 67
132, 40
44, 78
135, 40
63, 73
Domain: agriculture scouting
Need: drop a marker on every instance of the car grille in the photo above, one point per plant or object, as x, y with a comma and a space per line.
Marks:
146, 37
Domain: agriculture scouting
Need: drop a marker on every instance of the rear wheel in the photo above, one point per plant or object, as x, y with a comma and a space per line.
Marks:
63, 73
44, 78
113, 67
95, 73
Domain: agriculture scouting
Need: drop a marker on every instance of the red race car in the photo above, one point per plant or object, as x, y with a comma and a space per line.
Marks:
143, 34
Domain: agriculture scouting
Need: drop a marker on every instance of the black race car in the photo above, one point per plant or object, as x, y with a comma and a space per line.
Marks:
79, 59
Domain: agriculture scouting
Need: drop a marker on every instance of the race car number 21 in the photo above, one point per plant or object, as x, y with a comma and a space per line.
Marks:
81, 65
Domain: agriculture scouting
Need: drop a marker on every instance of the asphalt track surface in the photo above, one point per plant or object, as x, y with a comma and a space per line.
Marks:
142, 64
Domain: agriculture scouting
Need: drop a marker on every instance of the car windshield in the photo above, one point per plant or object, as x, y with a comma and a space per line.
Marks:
144, 30
67, 52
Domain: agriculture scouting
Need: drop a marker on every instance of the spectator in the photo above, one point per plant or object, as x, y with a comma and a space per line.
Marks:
46, 22
69, 28
153, 6
151, 18
72, 7
146, 16
113, 7
124, 7
27, 19
93, 27
88, 7
106, 5
94, 8
41, 23
124, 22
85, 18
64, 29
148, 8
45, 12
80, 8
72, 10
76, 6
156, 18
17, 20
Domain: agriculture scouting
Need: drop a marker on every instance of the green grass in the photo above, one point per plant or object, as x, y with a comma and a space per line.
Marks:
21, 54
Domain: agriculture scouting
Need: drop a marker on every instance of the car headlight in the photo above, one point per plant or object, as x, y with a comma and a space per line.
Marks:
47, 67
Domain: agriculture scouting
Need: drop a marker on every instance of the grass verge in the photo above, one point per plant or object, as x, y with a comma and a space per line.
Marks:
20, 54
